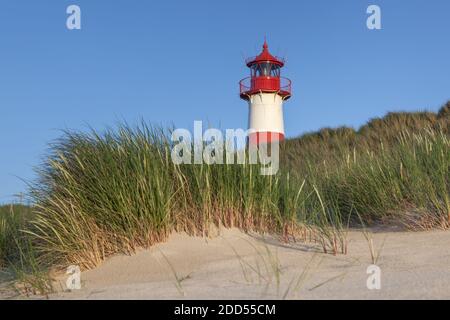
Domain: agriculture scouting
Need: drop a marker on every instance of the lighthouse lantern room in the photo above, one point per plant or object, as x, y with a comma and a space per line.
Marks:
265, 90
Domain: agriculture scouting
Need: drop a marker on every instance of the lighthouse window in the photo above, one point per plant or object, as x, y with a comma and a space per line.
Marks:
254, 70
265, 69
275, 71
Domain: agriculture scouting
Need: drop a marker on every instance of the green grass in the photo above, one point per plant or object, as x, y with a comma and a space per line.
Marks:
396, 167
100, 194
17, 256
13, 218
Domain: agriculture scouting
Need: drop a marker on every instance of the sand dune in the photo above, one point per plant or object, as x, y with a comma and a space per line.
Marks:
235, 265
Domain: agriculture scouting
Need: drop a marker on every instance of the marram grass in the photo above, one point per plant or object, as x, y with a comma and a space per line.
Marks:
103, 194
13, 219
100, 194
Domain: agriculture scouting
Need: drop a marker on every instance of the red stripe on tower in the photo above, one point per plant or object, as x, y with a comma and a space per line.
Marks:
265, 137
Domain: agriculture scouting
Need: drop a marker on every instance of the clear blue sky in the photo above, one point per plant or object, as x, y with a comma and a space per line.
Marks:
180, 61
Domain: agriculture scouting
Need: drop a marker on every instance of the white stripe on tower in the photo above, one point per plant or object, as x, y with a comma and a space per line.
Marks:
266, 113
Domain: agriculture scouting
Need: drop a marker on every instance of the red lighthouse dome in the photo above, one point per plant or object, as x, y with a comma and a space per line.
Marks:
265, 56
265, 75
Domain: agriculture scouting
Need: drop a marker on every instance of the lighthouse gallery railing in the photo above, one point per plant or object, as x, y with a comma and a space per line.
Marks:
255, 84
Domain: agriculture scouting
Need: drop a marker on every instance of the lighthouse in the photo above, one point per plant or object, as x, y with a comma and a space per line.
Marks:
265, 90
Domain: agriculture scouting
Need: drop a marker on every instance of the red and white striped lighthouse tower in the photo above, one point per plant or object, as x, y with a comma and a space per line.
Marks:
265, 90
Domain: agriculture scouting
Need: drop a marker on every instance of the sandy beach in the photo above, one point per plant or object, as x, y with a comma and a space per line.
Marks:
235, 265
